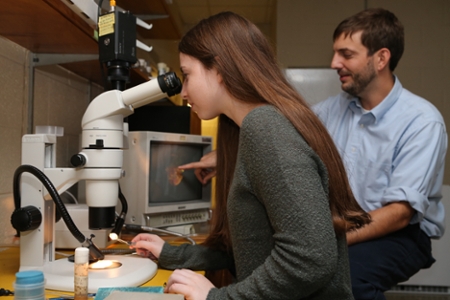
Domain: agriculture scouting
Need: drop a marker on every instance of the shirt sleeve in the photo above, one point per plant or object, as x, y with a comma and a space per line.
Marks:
194, 257
417, 166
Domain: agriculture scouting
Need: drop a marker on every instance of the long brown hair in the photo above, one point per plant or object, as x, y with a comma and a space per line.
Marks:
238, 50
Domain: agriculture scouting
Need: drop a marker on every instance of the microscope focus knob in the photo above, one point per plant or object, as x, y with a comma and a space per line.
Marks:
78, 160
26, 218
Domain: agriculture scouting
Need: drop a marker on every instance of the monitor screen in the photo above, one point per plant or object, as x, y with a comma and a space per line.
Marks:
167, 183
157, 193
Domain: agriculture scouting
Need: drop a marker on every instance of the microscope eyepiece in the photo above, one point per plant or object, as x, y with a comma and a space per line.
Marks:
170, 83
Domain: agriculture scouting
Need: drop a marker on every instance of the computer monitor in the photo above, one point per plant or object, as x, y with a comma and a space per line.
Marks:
157, 193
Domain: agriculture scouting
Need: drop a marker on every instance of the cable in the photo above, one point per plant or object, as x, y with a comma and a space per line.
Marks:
102, 67
53, 193
120, 220
94, 252
5, 292
99, 9
118, 251
104, 251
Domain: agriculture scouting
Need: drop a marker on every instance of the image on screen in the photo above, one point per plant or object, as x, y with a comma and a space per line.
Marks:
167, 183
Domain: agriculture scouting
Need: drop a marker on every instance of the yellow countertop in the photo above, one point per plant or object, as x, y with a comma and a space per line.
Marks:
10, 261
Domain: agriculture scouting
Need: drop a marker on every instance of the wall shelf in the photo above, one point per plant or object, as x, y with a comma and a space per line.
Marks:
51, 27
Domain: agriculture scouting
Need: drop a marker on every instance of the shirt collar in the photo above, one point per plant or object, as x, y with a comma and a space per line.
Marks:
380, 110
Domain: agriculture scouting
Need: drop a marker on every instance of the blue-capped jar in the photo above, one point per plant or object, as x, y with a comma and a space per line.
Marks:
29, 285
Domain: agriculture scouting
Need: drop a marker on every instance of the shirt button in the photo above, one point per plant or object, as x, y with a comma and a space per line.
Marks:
353, 149
361, 125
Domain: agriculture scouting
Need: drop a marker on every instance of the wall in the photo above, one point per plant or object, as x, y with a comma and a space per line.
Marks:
60, 99
303, 34
13, 103
304, 39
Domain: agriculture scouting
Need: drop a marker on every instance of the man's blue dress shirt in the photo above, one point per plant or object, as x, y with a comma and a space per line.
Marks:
395, 152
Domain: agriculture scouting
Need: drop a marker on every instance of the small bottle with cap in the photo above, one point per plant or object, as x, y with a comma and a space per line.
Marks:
81, 272
29, 285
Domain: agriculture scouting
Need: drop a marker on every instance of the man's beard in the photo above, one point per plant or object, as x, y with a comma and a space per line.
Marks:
360, 81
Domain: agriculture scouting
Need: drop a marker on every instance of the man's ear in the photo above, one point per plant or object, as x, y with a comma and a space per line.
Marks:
383, 56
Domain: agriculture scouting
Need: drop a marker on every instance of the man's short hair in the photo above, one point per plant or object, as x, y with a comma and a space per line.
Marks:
380, 29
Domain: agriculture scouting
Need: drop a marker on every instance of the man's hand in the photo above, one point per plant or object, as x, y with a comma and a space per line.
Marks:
385, 220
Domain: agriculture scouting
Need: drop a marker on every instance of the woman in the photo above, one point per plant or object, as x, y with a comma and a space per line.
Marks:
283, 199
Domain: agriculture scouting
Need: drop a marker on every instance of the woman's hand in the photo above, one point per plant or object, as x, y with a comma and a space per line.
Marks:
205, 169
148, 245
192, 285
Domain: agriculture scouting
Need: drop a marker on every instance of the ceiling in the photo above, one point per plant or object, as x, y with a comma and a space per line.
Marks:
172, 18
260, 12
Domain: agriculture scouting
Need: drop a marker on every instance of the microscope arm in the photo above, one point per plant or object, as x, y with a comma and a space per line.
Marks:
113, 103
103, 132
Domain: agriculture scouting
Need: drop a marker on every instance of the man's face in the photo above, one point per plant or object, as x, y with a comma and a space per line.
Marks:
355, 68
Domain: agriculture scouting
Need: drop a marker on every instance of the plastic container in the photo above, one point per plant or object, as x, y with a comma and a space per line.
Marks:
81, 273
29, 285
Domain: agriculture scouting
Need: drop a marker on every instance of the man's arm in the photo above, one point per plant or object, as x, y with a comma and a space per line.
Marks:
385, 220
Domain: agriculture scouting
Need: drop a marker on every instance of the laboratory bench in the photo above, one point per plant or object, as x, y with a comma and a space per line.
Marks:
9, 265
10, 261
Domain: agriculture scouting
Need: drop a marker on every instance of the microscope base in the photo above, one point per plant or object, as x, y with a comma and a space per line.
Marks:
134, 271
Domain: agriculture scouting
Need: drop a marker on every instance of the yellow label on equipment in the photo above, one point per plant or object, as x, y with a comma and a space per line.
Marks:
106, 24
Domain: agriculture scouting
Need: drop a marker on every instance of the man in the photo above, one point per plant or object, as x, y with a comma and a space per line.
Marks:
393, 144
